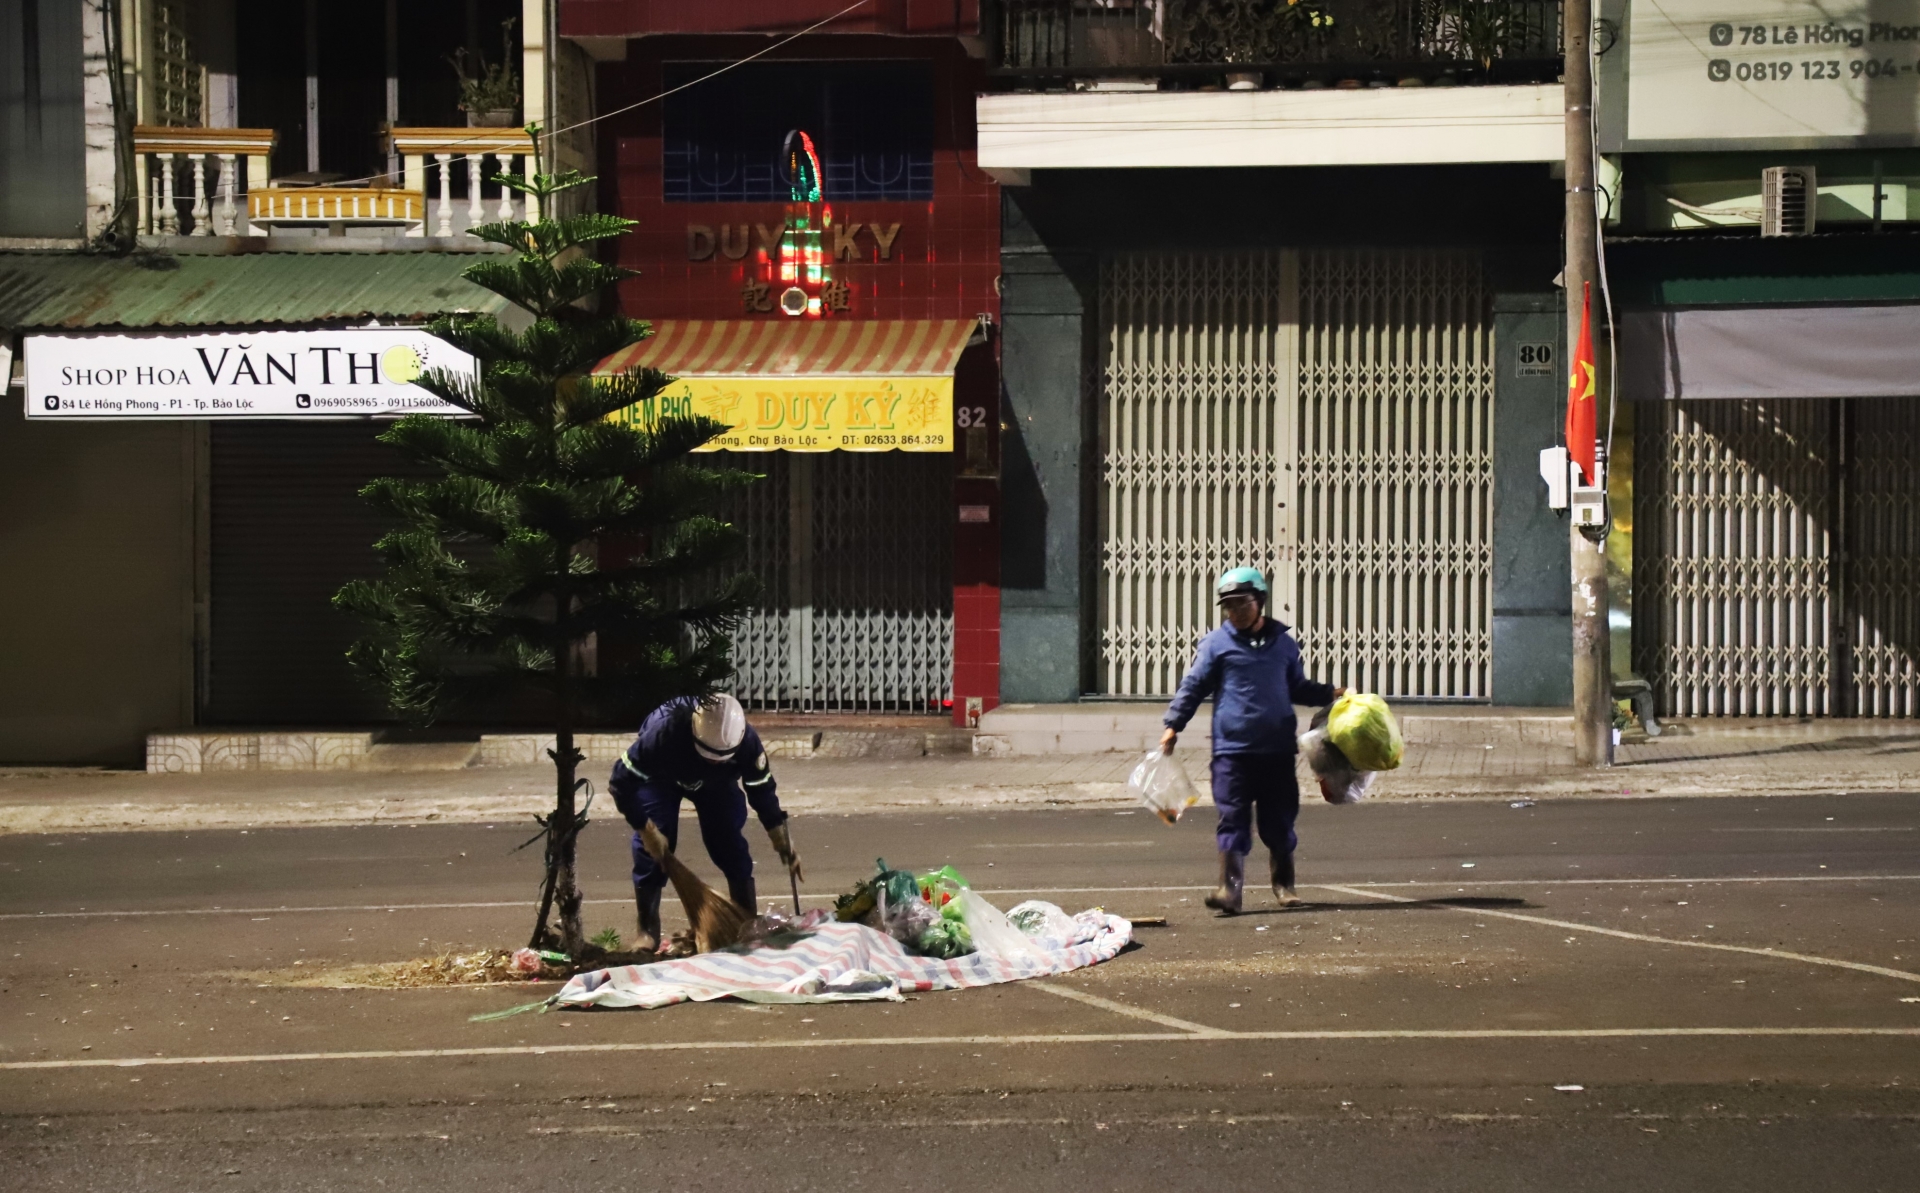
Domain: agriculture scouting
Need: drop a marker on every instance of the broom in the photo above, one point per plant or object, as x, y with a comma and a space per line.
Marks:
716, 920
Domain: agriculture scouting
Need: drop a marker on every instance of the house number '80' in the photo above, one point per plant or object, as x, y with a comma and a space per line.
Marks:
971, 416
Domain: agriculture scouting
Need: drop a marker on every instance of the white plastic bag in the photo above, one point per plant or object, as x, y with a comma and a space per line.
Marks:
991, 931
1162, 785
1039, 918
1340, 783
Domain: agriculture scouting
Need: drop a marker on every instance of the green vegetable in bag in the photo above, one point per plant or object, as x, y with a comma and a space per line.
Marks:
945, 939
1364, 730
940, 888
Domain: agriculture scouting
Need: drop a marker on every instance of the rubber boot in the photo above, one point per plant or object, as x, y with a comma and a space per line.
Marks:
1233, 877
742, 894
1283, 880
648, 900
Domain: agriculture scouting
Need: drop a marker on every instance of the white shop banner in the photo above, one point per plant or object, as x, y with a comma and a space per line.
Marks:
1779, 74
362, 372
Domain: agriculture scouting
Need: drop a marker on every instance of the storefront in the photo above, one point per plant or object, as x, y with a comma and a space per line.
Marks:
819, 259
1774, 415
184, 454
1271, 367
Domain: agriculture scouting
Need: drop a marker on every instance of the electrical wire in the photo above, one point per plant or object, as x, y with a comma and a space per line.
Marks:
549, 134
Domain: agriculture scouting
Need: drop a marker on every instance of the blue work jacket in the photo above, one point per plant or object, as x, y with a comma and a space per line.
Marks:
663, 753
1254, 680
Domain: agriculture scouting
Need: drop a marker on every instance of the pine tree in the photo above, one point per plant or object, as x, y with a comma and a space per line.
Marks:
552, 535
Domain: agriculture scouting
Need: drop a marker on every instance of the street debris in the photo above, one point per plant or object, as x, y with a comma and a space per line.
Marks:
893, 934
1521, 803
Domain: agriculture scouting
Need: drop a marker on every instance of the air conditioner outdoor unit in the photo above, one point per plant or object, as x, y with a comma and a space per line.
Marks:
1788, 196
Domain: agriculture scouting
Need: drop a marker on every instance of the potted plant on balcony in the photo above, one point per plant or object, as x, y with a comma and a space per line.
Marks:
489, 96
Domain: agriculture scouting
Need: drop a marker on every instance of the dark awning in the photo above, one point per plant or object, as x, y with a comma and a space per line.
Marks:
76, 291
1771, 352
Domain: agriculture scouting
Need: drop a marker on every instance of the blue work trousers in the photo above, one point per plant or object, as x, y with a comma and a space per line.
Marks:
722, 814
1255, 789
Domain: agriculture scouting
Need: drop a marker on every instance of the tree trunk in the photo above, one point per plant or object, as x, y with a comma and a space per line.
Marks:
561, 889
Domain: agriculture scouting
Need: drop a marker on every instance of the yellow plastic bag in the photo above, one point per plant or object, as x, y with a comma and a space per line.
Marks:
1360, 724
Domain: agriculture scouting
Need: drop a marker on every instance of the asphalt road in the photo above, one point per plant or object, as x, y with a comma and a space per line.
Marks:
1621, 995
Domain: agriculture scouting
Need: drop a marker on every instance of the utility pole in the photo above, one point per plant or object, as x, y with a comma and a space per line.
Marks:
1592, 653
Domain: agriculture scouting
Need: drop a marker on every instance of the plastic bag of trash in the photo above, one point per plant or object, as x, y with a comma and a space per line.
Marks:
906, 920
1037, 917
945, 939
989, 927
940, 887
1340, 781
1160, 783
1362, 726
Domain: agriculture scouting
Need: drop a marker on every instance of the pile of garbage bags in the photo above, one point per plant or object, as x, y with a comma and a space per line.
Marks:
938, 914
1349, 744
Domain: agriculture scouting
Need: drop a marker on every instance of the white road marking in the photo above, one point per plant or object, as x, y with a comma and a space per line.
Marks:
1905, 828
1571, 1033
521, 904
1121, 1008
1576, 926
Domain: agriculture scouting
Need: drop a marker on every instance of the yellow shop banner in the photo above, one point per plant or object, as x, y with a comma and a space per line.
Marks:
812, 414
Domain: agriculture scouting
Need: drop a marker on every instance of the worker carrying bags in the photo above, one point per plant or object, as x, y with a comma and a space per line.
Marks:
1349, 743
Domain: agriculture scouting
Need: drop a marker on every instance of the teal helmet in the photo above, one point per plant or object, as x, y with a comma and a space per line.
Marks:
1241, 582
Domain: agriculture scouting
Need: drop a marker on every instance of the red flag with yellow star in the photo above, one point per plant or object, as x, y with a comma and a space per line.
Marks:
1581, 422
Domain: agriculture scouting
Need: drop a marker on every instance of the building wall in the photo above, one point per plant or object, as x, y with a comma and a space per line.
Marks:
1532, 596
97, 528
42, 125
943, 261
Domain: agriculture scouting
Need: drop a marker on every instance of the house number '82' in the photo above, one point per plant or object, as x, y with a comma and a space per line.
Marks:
971, 416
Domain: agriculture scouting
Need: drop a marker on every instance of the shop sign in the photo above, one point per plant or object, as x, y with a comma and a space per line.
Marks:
812, 414
361, 372
1799, 74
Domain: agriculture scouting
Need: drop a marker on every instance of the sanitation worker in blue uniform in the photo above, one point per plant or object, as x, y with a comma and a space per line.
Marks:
704, 752
1250, 668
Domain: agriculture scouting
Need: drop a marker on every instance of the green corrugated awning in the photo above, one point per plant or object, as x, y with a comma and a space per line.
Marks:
73, 292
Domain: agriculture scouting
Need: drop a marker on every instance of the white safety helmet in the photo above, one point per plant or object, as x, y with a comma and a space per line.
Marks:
719, 726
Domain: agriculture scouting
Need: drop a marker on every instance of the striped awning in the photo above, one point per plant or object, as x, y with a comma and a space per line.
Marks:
872, 348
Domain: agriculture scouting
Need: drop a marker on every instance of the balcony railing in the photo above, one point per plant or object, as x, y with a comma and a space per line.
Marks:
1248, 44
191, 179
214, 182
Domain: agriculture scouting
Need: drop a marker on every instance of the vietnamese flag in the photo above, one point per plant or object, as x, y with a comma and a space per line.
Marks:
1580, 400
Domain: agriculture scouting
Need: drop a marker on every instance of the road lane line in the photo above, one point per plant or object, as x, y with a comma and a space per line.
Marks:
1359, 1034
1576, 926
520, 904
1121, 1008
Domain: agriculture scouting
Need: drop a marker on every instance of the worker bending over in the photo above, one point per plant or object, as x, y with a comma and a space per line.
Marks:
702, 751
1250, 668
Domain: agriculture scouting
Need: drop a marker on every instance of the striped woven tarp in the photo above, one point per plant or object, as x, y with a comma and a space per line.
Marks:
836, 963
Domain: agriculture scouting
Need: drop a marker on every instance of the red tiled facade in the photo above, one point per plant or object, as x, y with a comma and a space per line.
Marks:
932, 259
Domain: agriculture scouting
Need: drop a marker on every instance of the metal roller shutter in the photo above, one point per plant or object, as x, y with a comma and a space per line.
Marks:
288, 528
1778, 557
1324, 416
854, 551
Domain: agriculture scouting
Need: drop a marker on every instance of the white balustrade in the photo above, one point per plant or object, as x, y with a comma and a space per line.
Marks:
199, 209
485, 153
227, 187
189, 167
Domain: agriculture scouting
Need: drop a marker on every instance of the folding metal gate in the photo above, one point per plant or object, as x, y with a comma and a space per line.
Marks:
1323, 416
854, 551
1777, 568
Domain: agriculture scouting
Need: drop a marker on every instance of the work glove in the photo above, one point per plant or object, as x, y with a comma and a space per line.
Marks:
783, 845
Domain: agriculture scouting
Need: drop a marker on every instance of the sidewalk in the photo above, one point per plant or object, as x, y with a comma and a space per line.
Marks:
1478, 757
